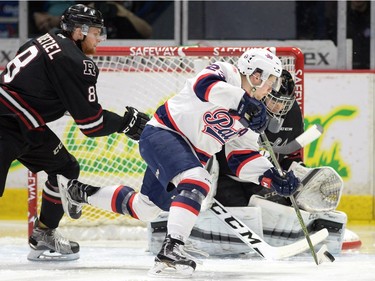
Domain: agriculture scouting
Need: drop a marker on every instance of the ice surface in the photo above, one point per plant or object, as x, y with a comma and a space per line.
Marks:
129, 260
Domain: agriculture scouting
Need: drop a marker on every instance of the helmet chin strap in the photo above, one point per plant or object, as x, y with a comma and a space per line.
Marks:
253, 87
79, 42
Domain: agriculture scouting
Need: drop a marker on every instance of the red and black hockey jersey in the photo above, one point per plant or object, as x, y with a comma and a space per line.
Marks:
49, 76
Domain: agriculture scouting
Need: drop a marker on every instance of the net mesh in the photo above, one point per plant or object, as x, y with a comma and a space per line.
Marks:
144, 82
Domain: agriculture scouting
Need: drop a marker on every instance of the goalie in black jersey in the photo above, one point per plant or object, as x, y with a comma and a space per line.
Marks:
49, 76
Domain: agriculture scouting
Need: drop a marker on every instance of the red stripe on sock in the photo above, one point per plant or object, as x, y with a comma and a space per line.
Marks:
204, 185
133, 214
186, 207
50, 199
114, 198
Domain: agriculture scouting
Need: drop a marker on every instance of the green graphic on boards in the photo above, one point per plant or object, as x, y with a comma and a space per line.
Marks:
315, 156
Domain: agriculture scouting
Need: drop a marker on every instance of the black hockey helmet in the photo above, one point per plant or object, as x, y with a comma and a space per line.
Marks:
80, 15
279, 102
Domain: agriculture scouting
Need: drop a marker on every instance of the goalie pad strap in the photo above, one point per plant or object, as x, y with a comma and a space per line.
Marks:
309, 176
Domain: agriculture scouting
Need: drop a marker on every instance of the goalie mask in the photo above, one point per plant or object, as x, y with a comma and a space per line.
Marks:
260, 61
81, 16
278, 103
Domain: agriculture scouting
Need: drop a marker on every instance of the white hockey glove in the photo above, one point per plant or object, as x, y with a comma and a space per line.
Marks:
134, 123
321, 190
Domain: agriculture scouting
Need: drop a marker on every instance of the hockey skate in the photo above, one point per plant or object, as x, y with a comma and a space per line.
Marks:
74, 195
172, 260
49, 245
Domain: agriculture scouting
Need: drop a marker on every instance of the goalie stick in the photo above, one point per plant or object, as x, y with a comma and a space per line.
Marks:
301, 141
255, 242
322, 254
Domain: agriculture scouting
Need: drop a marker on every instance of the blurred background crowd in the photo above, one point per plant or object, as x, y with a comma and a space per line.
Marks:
210, 20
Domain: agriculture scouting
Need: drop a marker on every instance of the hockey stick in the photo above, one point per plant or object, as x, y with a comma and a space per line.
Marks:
255, 242
301, 141
323, 254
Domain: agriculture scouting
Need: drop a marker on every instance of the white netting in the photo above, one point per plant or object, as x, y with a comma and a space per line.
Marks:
142, 81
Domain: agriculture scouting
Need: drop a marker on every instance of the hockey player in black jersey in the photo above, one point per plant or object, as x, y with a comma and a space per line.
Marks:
49, 76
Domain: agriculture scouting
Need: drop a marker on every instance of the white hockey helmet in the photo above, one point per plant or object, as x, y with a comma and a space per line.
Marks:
262, 61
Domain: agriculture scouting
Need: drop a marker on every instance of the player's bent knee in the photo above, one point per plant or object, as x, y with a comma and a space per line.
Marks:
144, 208
193, 186
197, 176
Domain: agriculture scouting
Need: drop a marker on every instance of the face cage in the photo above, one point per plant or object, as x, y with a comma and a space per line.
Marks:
282, 105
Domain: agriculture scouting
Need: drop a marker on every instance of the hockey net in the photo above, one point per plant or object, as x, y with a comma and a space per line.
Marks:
142, 77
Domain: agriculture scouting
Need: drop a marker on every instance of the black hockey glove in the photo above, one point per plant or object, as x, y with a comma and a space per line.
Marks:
253, 114
134, 123
285, 185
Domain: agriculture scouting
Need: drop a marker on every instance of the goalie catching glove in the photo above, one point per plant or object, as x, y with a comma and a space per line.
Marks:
285, 185
134, 123
252, 113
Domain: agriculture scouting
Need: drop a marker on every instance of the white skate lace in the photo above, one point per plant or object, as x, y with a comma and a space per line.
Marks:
181, 250
189, 247
52, 239
62, 244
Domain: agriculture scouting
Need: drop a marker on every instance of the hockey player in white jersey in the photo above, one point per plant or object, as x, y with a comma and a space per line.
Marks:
221, 104
264, 211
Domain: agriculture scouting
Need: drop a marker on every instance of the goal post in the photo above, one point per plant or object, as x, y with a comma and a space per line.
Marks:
142, 77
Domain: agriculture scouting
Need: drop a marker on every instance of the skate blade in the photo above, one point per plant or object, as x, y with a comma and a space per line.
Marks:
49, 255
164, 270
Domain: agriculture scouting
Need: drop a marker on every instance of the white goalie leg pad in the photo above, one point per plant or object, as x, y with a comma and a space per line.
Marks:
213, 168
209, 234
144, 208
156, 232
321, 190
281, 226
335, 222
